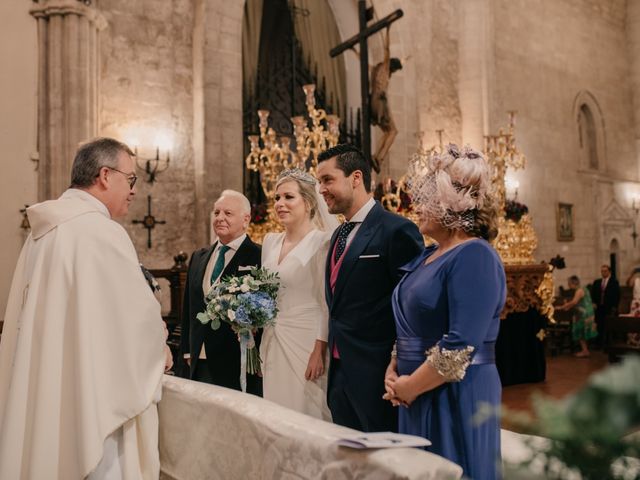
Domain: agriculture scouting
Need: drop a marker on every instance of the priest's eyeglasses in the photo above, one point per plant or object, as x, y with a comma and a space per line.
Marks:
132, 178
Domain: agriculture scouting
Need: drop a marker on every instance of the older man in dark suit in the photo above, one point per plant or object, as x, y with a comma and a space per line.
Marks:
605, 294
362, 271
214, 355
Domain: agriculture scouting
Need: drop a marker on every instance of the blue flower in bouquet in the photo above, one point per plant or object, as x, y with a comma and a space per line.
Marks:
242, 316
261, 301
246, 303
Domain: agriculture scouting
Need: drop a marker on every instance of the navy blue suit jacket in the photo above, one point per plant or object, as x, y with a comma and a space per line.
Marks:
361, 322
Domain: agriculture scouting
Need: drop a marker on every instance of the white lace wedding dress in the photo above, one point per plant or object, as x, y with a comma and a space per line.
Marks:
302, 318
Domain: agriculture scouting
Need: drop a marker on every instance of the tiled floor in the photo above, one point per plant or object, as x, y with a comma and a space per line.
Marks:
565, 374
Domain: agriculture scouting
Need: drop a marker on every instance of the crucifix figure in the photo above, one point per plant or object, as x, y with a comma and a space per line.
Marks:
149, 221
377, 103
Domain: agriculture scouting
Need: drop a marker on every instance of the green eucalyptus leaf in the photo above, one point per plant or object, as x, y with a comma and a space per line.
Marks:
203, 317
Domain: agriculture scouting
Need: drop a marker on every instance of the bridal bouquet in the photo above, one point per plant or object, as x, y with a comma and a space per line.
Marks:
246, 303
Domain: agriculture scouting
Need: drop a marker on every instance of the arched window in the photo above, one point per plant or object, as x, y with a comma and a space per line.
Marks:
590, 131
588, 141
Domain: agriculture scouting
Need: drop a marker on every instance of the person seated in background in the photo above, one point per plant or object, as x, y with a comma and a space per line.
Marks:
584, 327
634, 282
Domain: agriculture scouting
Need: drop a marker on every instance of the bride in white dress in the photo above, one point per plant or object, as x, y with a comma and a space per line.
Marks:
294, 349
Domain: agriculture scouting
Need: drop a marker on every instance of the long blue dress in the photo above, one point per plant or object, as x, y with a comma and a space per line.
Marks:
454, 302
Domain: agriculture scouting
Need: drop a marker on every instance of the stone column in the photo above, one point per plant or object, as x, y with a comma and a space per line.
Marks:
477, 66
633, 40
67, 86
219, 161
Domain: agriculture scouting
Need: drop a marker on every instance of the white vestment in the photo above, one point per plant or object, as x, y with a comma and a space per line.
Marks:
82, 351
302, 318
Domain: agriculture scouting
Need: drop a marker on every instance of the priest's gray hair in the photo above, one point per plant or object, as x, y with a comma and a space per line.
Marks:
94, 155
244, 201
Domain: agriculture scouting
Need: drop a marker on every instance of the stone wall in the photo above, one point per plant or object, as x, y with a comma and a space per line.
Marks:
18, 104
170, 76
542, 62
146, 60
423, 96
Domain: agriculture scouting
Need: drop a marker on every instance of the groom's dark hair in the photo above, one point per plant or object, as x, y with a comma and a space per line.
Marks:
349, 159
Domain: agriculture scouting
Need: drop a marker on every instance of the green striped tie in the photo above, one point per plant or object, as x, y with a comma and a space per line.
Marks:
219, 265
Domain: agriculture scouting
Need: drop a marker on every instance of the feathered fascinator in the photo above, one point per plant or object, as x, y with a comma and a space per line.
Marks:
449, 186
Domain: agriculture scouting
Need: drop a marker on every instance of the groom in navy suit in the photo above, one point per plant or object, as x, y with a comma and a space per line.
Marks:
362, 270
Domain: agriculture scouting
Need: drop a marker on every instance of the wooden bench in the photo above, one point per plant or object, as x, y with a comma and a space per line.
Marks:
177, 278
559, 333
617, 341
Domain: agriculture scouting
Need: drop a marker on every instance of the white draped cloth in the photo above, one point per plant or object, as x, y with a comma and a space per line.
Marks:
302, 318
82, 352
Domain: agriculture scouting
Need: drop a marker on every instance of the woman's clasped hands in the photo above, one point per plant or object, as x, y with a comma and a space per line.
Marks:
399, 389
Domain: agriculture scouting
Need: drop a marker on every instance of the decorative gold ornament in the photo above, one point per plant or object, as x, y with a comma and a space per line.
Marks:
523, 283
542, 333
516, 241
528, 284
270, 155
545, 292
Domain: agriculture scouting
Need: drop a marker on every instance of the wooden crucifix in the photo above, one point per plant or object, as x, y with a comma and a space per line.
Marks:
361, 39
149, 221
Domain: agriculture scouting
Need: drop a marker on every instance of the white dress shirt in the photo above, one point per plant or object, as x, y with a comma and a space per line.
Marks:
358, 218
233, 245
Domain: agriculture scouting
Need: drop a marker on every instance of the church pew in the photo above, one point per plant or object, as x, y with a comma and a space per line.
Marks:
210, 432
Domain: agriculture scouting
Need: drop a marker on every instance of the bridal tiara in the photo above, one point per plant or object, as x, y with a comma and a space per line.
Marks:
297, 174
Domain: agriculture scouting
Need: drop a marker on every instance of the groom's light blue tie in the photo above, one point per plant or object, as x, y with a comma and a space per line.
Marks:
219, 265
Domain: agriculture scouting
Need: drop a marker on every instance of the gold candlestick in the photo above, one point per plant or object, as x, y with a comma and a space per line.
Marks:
277, 153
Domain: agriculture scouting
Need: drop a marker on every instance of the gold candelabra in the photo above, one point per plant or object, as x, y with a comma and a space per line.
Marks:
269, 154
311, 141
501, 152
516, 240
530, 284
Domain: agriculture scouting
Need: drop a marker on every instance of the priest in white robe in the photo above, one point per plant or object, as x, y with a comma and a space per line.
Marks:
83, 348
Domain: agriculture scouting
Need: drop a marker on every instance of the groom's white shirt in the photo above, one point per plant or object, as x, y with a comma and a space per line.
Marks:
359, 218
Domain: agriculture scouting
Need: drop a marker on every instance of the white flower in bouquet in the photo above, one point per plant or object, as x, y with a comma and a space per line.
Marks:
246, 303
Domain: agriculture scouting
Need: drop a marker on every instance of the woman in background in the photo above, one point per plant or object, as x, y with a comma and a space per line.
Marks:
584, 323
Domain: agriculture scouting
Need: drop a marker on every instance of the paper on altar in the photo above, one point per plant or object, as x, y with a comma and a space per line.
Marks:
383, 440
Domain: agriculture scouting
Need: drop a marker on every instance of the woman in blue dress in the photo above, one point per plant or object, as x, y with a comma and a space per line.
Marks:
447, 309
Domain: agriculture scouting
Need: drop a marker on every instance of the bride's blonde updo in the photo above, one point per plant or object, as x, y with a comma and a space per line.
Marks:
306, 185
454, 188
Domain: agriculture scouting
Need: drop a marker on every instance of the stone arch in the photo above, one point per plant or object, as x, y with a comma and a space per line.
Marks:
217, 75
590, 128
